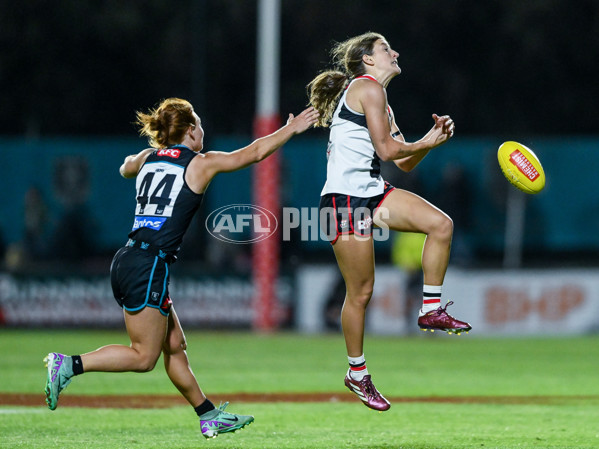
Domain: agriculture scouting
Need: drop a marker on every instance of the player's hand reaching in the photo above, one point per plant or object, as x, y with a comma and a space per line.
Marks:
445, 122
304, 120
442, 131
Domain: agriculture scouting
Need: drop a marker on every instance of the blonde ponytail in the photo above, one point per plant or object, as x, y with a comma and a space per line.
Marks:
324, 92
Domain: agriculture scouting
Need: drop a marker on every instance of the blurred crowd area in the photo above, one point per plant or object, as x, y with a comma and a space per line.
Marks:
72, 75
69, 209
51, 241
497, 66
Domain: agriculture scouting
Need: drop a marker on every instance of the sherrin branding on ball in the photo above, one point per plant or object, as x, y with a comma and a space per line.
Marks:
521, 167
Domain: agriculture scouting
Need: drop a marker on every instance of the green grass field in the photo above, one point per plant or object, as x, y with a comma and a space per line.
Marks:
555, 378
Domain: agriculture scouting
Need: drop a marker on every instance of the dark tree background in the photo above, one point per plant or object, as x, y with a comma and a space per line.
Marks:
497, 66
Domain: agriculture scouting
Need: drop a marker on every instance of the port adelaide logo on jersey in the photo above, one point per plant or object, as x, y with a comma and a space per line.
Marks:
241, 223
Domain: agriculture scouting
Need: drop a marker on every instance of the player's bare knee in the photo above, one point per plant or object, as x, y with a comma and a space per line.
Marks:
179, 345
364, 299
443, 228
146, 364
360, 298
447, 227
175, 345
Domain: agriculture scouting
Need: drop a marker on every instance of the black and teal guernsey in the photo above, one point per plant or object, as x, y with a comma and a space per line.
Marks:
165, 203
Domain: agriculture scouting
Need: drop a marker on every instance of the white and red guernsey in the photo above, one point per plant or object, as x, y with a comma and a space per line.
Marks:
353, 167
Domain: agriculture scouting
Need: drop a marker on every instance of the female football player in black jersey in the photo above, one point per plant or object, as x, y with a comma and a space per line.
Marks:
171, 178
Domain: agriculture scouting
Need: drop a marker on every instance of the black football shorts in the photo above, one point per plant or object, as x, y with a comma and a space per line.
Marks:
345, 214
140, 279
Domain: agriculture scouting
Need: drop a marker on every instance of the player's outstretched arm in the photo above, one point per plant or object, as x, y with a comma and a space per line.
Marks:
205, 166
133, 163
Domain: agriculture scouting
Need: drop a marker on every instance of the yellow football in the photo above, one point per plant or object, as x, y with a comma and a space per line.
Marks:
521, 167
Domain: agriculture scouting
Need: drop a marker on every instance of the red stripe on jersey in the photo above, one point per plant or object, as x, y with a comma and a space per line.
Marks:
370, 77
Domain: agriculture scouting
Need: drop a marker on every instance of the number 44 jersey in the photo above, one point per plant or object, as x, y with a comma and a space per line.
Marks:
165, 203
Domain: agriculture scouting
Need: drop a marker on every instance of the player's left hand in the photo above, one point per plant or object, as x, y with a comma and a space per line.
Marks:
446, 123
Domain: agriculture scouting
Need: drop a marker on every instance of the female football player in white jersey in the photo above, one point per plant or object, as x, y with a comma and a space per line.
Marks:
352, 100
